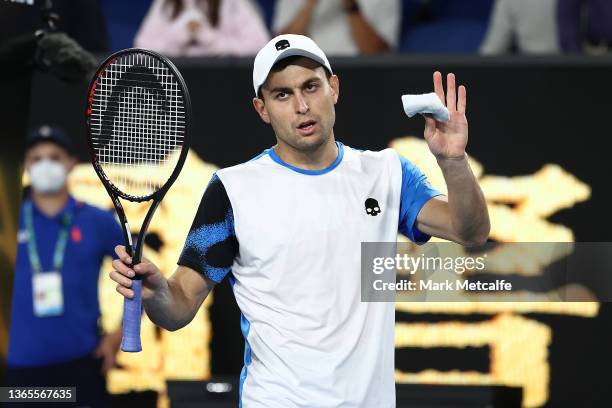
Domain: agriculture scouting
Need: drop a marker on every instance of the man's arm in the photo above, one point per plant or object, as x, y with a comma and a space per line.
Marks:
170, 303
462, 216
207, 257
177, 302
367, 39
300, 23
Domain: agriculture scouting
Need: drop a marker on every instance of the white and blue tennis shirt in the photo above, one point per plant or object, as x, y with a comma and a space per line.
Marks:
290, 239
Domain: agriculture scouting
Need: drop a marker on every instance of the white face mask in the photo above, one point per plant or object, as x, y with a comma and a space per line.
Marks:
47, 176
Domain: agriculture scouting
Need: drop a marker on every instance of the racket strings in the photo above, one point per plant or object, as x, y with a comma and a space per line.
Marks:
138, 123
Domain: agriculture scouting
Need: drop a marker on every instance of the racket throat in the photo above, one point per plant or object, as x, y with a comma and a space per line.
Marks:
132, 250
140, 241
129, 234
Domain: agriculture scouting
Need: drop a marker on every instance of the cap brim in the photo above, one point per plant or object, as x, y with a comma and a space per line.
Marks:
38, 140
293, 52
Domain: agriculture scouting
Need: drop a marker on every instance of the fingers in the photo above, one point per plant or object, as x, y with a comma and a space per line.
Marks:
438, 88
124, 263
453, 101
123, 283
120, 279
122, 268
122, 275
123, 255
461, 105
451, 93
124, 271
128, 293
145, 268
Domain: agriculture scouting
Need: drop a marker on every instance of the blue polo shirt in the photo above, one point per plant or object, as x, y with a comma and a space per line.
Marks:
37, 341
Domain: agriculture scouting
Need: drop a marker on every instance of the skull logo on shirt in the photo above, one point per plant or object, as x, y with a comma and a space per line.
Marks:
372, 208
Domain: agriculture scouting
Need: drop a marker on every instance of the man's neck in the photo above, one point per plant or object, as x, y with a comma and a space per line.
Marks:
317, 159
50, 204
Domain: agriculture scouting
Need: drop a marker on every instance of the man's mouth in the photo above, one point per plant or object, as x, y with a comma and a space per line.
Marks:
307, 127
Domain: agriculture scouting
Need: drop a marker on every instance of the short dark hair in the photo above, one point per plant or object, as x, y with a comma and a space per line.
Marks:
282, 64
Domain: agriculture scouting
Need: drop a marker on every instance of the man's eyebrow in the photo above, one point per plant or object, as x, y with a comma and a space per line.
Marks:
288, 90
280, 89
311, 80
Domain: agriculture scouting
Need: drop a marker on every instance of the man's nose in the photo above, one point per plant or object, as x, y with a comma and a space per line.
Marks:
301, 104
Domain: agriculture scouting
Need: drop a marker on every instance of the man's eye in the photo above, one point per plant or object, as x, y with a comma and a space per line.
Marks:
311, 87
281, 95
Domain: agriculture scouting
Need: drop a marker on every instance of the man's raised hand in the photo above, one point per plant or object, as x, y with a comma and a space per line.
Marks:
447, 140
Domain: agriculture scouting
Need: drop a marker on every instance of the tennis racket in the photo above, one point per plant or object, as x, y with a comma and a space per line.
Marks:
138, 120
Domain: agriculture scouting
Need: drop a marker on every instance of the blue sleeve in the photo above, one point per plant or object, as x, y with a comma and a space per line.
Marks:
113, 235
211, 245
416, 191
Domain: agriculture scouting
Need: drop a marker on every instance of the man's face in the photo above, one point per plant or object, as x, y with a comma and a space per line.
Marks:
50, 151
298, 101
48, 166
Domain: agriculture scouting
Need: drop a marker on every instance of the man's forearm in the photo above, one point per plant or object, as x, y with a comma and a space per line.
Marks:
167, 308
367, 39
301, 21
468, 208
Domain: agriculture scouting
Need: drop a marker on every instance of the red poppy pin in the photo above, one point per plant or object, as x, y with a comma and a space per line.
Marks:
76, 234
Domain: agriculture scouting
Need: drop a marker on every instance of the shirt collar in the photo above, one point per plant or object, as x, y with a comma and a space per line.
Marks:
70, 205
327, 169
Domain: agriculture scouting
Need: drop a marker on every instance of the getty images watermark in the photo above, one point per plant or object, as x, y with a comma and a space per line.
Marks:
410, 265
401, 271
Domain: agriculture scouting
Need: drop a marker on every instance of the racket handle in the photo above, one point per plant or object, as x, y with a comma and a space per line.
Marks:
132, 313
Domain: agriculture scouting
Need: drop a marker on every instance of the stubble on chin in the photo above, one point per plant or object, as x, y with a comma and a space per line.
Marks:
309, 144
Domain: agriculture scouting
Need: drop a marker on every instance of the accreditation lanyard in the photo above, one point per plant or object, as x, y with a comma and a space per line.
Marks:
60, 246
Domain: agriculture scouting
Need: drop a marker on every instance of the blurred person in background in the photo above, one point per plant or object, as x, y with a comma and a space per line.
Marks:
585, 26
54, 337
202, 27
342, 27
81, 20
23, 48
522, 26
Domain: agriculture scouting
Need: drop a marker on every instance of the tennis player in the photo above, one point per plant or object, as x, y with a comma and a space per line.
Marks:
286, 228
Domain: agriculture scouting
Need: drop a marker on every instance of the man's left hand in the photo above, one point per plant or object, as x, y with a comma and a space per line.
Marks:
447, 140
107, 350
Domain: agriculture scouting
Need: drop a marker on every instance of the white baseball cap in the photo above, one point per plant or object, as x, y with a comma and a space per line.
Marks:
281, 47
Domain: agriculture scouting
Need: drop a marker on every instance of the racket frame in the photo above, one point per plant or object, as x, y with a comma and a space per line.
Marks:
135, 251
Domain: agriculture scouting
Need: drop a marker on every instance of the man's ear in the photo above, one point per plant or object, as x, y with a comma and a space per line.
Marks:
260, 107
334, 82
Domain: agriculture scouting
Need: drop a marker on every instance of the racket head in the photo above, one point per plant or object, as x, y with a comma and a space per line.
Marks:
138, 120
